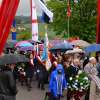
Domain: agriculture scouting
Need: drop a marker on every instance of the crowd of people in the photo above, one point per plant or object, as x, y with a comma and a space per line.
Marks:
63, 67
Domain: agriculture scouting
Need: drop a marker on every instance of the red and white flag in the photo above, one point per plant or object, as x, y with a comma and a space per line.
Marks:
68, 9
34, 21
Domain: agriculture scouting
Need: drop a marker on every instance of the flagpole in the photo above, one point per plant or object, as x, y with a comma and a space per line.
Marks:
68, 17
68, 28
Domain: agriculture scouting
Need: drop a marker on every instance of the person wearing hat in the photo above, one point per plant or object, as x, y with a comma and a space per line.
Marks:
57, 83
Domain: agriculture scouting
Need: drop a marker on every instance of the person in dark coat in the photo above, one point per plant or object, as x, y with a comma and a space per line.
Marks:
72, 71
42, 76
53, 67
29, 70
8, 88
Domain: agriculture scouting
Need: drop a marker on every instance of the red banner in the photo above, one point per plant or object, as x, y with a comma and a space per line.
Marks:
98, 24
12, 8
3, 14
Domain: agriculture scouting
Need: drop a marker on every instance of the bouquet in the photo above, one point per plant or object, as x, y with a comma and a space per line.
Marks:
78, 85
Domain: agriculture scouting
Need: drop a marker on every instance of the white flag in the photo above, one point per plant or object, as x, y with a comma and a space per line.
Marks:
34, 22
48, 62
45, 10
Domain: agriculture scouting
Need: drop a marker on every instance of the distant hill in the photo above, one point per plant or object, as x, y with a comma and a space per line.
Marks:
25, 21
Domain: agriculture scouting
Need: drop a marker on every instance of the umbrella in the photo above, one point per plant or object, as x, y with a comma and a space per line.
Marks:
53, 42
75, 50
10, 44
61, 47
12, 59
80, 43
92, 48
33, 42
23, 44
30, 48
22, 58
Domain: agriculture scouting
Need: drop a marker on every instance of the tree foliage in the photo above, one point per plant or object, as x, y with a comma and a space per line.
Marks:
82, 20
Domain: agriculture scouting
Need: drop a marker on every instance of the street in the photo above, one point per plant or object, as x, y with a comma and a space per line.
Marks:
35, 93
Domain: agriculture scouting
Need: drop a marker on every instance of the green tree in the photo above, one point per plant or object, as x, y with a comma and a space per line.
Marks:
82, 20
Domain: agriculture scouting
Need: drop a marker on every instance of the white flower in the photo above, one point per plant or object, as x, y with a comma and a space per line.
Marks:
70, 78
76, 88
79, 72
77, 76
69, 86
82, 87
76, 80
81, 83
75, 83
86, 78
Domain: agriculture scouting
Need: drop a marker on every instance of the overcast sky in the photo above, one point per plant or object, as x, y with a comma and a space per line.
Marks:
24, 7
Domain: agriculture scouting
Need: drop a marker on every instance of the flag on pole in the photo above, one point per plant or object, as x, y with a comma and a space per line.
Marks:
47, 15
13, 29
98, 24
68, 9
45, 55
34, 21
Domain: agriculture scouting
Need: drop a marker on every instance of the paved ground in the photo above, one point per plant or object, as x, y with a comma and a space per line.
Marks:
34, 94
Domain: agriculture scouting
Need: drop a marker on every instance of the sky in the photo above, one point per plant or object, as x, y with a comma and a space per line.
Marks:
24, 8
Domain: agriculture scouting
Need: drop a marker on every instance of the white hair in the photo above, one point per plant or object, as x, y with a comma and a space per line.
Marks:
92, 58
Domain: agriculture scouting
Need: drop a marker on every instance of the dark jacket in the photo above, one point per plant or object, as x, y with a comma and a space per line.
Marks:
98, 69
7, 83
41, 71
29, 69
71, 72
